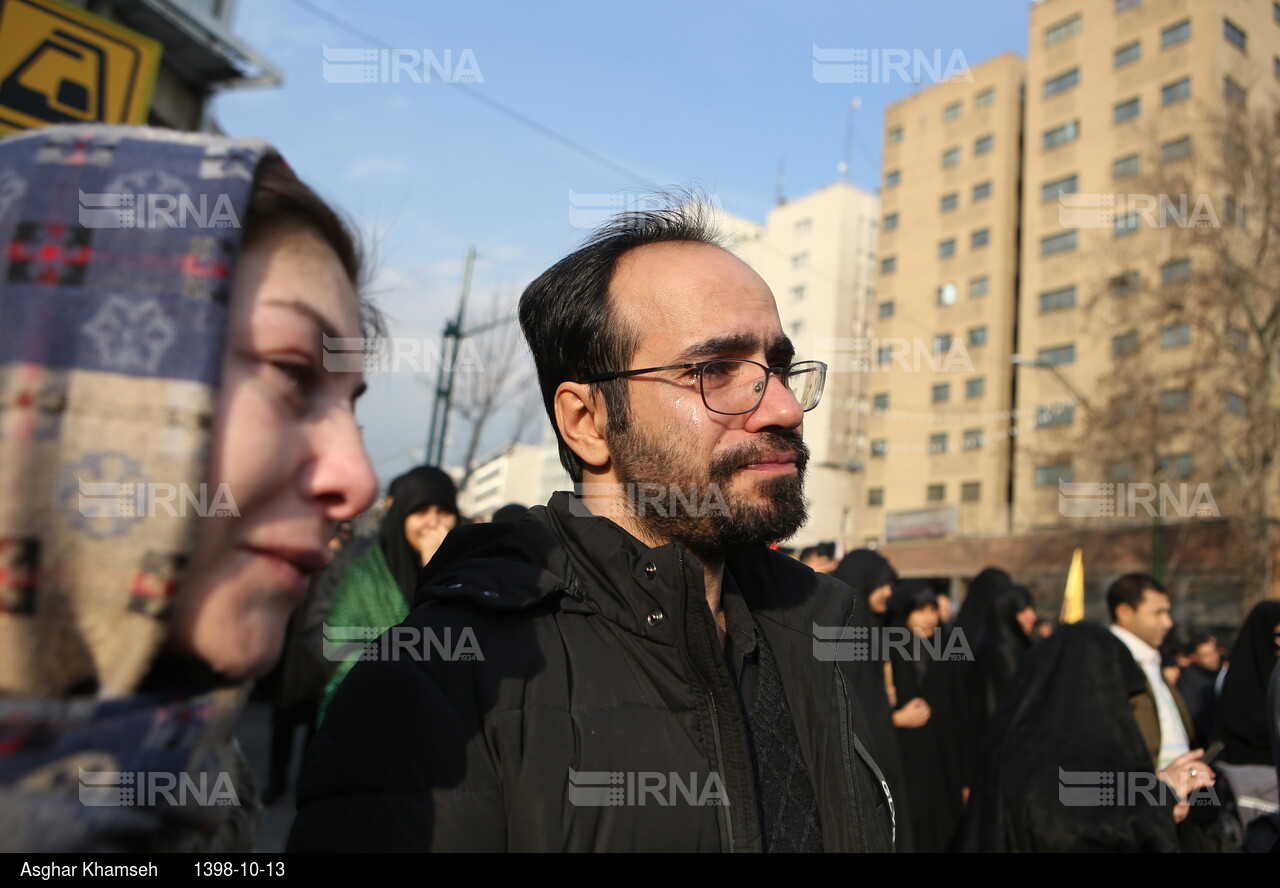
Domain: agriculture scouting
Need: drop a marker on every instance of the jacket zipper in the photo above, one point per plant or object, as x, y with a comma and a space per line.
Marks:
715, 710
860, 751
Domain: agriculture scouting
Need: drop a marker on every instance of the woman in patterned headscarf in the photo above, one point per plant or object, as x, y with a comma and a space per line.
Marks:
175, 451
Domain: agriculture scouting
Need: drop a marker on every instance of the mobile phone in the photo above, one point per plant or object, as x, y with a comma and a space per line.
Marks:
1214, 750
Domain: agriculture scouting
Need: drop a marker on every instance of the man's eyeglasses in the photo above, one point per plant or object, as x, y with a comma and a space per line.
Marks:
733, 386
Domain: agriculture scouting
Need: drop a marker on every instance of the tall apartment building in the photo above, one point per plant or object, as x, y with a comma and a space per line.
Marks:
1117, 93
938, 388
1117, 89
817, 254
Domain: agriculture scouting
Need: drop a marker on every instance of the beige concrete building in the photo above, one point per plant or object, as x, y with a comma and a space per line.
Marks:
1116, 91
937, 448
1117, 94
817, 253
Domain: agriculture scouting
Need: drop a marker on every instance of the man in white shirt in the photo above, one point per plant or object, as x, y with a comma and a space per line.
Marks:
1140, 618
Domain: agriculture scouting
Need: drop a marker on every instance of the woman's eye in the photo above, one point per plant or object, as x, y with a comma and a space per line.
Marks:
300, 376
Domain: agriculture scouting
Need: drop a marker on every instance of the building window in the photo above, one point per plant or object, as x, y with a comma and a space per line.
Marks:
947, 248
1177, 466
983, 144
1124, 344
894, 135
1175, 336
1176, 149
1175, 400
1122, 5
936, 493
1057, 356
884, 354
942, 343
975, 388
947, 294
886, 309
892, 178
1233, 92
1050, 475
1061, 135
973, 439
1234, 34
797, 292
938, 443
1056, 300
1051, 191
951, 112
880, 402
970, 491
1175, 271
1055, 415
979, 238
950, 202
797, 327
978, 335
985, 97
1126, 224
978, 286
1123, 167
1175, 34
1063, 82
1275, 66
981, 191
804, 226
1062, 30
1235, 404
889, 264
890, 222
1058, 243
879, 448
800, 260
951, 157
875, 496
1126, 110
1130, 52
1171, 93
1126, 283
942, 393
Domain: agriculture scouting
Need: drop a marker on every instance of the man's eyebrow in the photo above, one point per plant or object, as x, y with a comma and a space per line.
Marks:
307, 311
719, 345
781, 349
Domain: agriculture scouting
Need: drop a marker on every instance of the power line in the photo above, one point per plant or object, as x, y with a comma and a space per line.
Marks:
478, 96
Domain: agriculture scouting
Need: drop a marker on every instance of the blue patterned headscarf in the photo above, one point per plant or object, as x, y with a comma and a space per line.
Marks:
119, 249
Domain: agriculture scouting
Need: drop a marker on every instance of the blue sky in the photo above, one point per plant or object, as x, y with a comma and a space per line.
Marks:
716, 93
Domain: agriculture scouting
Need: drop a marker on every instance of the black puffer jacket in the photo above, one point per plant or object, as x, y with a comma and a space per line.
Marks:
599, 655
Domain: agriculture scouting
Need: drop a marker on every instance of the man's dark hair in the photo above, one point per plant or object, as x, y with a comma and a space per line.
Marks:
572, 326
1130, 589
1199, 637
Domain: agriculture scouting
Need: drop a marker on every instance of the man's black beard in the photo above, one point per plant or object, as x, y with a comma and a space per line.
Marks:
704, 514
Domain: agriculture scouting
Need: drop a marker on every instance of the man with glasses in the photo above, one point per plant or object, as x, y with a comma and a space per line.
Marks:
644, 673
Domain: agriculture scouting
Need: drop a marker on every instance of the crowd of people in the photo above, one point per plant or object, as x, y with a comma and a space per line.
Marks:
636, 675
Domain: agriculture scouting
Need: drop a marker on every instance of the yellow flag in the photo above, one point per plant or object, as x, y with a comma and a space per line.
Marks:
1073, 598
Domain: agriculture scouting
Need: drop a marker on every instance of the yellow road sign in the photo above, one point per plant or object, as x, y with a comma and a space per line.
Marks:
60, 64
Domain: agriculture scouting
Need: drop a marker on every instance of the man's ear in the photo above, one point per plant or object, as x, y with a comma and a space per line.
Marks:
582, 418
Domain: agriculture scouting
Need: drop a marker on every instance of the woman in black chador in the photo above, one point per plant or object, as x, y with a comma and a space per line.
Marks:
927, 717
1047, 771
1005, 637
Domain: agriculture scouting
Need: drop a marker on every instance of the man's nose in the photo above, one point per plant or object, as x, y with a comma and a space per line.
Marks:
778, 407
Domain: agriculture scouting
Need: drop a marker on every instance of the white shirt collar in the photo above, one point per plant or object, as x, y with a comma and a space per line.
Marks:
1142, 652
